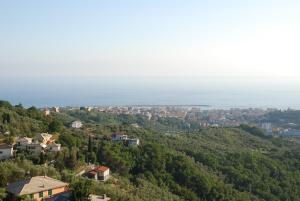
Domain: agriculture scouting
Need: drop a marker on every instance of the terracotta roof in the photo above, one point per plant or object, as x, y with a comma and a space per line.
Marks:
34, 185
101, 168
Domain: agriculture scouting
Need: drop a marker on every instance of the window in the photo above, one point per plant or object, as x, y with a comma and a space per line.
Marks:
49, 192
31, 196
40, 194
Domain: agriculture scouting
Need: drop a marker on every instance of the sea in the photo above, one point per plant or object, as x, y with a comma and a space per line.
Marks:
212, 92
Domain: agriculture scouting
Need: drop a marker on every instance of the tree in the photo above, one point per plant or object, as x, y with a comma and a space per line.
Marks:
55, 126
5, 118
81, 190
90, 145
72, 159
3, 194
5, 104
42, 158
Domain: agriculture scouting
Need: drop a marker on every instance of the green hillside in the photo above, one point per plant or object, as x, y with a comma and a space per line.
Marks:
212, 164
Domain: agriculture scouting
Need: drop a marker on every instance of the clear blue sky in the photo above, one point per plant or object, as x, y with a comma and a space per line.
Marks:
157, 37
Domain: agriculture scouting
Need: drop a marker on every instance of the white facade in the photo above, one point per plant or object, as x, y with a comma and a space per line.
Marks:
55, 109
46, 112
99, 197
6, 151
77, 124
134, 141
21, 143
36, 148
53, 147
118, 137
43, 143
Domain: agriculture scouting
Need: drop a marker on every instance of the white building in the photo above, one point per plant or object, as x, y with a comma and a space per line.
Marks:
77, 124
46, 111
100, 173
22, 143
55, 109
36, 148
134, 142
124, 138
53, 147
6, 151
99, 197
119, 137
42, 143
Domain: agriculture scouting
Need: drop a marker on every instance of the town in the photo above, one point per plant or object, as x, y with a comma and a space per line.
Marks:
203, 116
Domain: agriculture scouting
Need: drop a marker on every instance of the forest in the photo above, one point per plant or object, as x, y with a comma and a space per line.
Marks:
237, 163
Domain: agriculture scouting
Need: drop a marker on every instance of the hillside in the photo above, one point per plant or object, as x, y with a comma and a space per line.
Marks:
212, 164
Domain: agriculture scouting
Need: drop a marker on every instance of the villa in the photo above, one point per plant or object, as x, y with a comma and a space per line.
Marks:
100, 173
37, 188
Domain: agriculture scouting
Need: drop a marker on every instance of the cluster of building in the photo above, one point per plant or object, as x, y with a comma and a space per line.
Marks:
41, 144
149, 111
48, 111
125, 139
44, 188
204, 115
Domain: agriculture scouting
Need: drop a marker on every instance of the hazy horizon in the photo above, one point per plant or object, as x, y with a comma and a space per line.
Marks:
224, 54
216, 92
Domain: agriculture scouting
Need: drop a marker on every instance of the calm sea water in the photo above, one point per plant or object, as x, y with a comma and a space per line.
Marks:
216, 92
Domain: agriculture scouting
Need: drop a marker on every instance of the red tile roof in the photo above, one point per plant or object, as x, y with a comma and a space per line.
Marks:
101, 168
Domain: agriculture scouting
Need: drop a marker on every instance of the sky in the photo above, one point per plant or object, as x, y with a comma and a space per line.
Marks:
213, 38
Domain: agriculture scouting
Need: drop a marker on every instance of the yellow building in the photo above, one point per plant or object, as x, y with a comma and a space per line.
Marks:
38, 188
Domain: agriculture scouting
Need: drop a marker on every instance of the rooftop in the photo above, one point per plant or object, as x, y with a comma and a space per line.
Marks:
101, 168
34, 185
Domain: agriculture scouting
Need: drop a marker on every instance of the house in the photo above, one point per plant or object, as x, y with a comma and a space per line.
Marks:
76, 124
36, 148
53, 147
37, 188
100, 173
6, 151
55, 109
22, 143
46, 111
99, 197
44, 138
42, 143
134, 142
125, 139
119, 137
